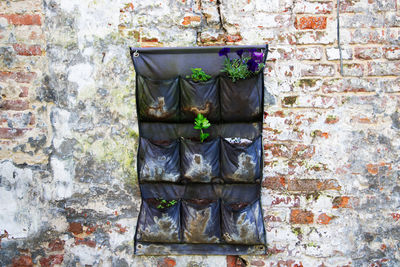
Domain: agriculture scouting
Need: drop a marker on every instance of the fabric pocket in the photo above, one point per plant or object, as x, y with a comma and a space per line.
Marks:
201, 221
199, 98
241, 101
200, 161
159, 222
242, 223
241, 162
159, 162
158, 99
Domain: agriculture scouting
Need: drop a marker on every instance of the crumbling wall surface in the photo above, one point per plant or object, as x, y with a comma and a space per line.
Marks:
68, 133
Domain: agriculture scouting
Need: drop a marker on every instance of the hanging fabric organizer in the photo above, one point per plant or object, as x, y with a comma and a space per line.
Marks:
198, 197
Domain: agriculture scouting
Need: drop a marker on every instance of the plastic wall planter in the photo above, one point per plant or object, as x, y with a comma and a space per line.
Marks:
198, 197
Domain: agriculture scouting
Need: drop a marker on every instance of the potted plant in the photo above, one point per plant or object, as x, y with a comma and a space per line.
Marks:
199, 95
242, 85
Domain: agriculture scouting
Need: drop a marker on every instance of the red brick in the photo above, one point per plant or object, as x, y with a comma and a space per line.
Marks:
301, 151
312, 185
349, 85
392, 53
56, 245
388, 68
8, 133
331, 120
235, 261
301, 217
167, 262
311, 23
51, 260
318, 70
75, 228
312, 7
23, 19
277, 150
233, 38
28, 50
353, 69
324, 219
86, 242
274, 183
20, 77
189, 19
22, 261
309, 53
314, 37
257, 263
344, 202
14, 105
368, 53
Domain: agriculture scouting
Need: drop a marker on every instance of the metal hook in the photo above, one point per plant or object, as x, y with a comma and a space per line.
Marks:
136, 54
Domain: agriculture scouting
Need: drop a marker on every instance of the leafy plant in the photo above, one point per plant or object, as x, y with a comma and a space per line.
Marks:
165, 204
247, 65
201, 123
198, 75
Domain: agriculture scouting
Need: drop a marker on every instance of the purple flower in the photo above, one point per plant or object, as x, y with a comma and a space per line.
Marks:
252, 50
224, 51
258, 56
252, 65
240, 53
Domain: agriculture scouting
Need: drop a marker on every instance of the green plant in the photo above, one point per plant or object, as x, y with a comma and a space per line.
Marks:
198, 75
243, 67
201, 123
165, 204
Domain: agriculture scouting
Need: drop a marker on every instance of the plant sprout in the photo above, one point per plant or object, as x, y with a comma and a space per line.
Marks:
200, 123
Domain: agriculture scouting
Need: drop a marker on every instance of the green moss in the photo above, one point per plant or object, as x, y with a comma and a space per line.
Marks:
289, 100
297, 231
307, 83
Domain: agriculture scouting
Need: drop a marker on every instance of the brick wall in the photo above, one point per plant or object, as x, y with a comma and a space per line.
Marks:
68, 133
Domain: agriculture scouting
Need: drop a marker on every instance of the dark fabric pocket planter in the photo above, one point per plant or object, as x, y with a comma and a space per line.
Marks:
159, 223
242, 223
159, 162
241, 101
200, 161
241, 162
158, 99
201, 221
199, 98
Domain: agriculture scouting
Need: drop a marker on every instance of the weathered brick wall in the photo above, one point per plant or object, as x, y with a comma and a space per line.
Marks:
68, 133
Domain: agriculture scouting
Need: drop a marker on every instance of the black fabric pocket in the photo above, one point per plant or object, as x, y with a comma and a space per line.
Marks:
201, 221
241, 162
241, 101
200, 161
242, 223
158, 99
199, 98
159, 162
158, 222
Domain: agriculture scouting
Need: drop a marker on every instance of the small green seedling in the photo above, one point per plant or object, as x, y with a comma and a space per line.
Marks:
165, 204
198, 75
200, 123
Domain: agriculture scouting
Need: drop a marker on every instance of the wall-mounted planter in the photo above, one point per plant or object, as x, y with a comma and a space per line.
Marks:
198, 197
